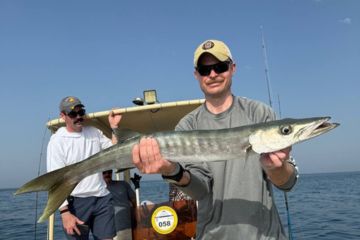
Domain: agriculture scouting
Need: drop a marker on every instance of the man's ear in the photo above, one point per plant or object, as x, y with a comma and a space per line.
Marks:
62, 115
233, 68
196, 75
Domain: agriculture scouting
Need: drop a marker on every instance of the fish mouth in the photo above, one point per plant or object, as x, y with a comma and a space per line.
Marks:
316, 128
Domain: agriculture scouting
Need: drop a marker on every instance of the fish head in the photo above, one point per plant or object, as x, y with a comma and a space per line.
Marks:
276, 135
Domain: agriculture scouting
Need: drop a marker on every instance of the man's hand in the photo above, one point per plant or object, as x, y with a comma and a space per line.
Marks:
114, 119
276, 167
147, 158
274, 160
69, 223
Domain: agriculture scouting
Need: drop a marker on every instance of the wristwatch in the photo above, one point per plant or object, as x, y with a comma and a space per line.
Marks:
175, 178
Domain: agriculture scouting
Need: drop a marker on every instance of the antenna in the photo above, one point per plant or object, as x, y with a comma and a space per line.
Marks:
266, 66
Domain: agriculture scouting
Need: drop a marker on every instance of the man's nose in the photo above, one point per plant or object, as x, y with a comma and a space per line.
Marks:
213, 73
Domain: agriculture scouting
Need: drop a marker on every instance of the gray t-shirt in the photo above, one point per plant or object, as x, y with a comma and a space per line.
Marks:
235, 198
122, 194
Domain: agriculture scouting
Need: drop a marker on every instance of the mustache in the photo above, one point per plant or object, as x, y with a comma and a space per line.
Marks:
79, 120
214, 80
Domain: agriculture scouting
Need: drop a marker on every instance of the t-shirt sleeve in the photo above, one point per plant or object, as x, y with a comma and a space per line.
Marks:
105, 142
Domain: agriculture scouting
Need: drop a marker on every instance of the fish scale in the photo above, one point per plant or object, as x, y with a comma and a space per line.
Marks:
204, 144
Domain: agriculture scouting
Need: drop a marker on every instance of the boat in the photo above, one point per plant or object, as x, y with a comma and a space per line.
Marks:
168, 220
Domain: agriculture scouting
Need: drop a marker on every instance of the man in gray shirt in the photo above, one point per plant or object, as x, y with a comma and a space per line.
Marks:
123, 199
235, 198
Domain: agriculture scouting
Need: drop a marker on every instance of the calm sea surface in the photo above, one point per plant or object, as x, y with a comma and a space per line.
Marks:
322, 206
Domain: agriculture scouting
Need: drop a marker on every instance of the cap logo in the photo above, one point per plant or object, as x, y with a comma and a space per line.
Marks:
71, 99
208, 45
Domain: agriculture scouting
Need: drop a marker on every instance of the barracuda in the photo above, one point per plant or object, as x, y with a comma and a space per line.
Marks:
181, 146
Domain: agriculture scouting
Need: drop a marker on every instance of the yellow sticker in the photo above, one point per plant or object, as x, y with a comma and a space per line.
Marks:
164, 220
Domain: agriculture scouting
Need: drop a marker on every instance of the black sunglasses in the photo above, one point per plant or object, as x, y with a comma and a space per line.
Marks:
107, 172
74, 114
205, 70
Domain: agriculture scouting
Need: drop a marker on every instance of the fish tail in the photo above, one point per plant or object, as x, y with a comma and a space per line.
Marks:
59, 185
57, 195
61, 182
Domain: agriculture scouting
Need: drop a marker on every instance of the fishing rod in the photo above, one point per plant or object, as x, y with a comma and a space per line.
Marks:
266, 67
270, 103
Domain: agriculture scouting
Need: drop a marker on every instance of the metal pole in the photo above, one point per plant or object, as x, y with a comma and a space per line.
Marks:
51, 227
136, 182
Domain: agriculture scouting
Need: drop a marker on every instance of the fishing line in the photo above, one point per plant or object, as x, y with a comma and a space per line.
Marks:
38, 174
288, 216
285, 193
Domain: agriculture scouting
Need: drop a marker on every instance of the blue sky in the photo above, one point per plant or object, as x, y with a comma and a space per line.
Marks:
108, 52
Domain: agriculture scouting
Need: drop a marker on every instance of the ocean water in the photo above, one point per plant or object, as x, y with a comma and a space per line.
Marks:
321, 206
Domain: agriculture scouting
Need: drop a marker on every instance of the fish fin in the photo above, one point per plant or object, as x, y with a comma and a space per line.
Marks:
41, 183
57, 195
248, 151
125, 134
57, 183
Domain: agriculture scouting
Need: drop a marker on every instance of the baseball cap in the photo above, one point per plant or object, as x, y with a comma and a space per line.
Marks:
215, 47
68, 104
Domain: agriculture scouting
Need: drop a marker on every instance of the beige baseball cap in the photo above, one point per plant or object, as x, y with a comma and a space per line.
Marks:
215, 47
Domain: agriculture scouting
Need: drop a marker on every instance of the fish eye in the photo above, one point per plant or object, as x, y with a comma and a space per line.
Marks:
285, 130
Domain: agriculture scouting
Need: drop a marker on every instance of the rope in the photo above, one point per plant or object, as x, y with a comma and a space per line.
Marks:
38, 174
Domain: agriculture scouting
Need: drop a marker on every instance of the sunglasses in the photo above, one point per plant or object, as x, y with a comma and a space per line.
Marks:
107, 172
205, 70
74, 114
